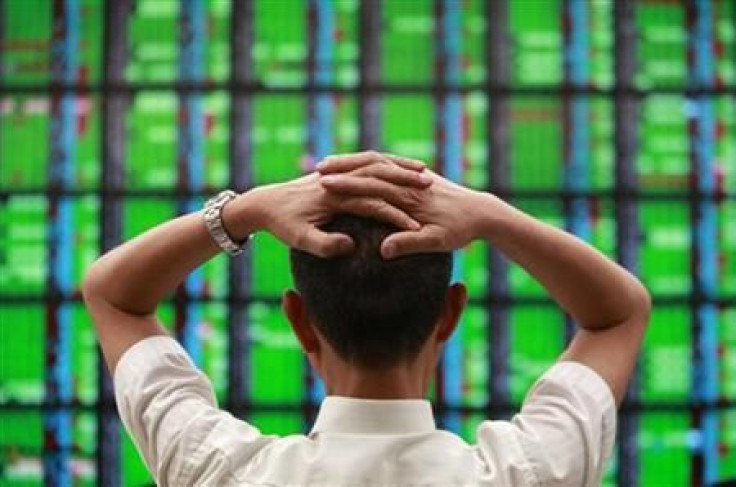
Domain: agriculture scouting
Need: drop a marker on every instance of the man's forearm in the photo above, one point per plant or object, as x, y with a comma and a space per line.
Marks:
595, 291
139, 274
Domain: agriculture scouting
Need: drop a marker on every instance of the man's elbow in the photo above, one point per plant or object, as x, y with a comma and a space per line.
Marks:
641, 303
92, 284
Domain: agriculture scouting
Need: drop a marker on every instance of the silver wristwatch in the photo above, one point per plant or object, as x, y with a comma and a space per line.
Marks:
213, 221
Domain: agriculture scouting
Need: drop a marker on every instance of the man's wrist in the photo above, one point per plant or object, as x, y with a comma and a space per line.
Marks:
241, 216
492, 216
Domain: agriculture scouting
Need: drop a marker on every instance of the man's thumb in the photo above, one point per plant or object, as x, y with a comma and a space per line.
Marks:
405, 243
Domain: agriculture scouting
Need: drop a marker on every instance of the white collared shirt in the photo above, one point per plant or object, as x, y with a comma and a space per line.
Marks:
563, 435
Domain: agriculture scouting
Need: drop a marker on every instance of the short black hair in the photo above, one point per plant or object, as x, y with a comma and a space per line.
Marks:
375, 313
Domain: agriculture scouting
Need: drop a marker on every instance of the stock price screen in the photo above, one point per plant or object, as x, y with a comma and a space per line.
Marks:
100, 139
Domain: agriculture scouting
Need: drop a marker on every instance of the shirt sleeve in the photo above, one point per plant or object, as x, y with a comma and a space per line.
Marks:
168, 407
564, 434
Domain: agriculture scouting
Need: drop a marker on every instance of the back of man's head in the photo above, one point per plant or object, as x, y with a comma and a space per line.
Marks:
375, 313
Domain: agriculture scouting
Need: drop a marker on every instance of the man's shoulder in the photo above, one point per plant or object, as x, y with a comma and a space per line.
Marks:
566, 427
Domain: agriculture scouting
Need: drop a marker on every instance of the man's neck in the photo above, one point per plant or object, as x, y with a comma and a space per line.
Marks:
398, 383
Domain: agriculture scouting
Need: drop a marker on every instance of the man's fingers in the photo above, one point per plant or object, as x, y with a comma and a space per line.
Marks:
406, 163
350, 162
395, 175
323, 244
405, 198
379, 210
428, 239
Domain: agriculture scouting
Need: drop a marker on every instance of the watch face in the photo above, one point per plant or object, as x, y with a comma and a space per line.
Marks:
219, 198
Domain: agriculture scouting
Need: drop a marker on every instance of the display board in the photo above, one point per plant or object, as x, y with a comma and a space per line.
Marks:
114, 119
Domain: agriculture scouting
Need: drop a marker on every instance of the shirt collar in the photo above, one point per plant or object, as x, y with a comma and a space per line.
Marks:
347, 415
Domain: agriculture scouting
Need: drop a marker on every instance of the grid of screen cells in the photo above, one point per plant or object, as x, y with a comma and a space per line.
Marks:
115, 116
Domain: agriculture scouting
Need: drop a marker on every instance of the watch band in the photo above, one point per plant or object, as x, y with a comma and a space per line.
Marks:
213, 222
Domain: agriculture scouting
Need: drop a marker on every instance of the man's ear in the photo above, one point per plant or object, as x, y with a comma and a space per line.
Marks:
457, 298
296, 312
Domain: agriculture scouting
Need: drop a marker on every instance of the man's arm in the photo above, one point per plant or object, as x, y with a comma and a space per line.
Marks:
610, 305
124, 287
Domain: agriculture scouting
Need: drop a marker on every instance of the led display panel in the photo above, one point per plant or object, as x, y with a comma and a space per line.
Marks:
114, 119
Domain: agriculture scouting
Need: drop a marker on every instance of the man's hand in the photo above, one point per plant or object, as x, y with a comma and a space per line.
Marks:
451, 215
609, 304
293, 211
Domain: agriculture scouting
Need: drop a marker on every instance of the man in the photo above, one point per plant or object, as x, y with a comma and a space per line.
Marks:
372, 310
